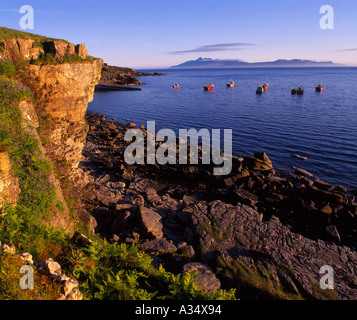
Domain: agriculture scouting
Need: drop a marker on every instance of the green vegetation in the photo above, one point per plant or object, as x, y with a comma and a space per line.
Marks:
49, 59
7, 68
251, 282
6, 34
76, 58
37, 194
118, 271
45, 288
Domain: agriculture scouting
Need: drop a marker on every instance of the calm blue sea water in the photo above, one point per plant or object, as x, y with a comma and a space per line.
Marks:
320, 126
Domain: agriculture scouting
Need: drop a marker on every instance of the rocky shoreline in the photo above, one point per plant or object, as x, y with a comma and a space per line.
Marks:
283, 226
120, 76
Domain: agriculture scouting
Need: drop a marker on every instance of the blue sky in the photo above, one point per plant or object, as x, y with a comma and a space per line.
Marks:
161, 33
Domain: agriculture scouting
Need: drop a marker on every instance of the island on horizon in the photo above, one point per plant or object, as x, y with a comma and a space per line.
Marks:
236, 63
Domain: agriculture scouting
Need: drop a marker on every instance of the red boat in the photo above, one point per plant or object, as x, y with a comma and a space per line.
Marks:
176, 86
209, 87
300, 90
319, 88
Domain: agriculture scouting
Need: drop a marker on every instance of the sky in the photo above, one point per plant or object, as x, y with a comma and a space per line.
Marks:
148, 34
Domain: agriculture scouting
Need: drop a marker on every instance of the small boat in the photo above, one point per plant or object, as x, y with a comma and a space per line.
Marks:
265, 86
209, 87
300, 90
260, 90
176, 86
319, 88
230, 84
293, 91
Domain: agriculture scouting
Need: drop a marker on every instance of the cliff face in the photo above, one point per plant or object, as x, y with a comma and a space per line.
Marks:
62, 78
31, 49
62, 93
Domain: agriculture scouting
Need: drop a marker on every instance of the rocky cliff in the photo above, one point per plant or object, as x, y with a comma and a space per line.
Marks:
62, 94
62, 78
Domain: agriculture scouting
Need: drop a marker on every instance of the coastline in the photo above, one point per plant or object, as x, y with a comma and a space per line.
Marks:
185, 217
122, 78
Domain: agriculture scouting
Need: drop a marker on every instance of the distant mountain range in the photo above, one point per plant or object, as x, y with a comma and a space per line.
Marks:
217, 63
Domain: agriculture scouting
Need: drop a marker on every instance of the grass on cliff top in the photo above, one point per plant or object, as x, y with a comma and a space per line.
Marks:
6, 34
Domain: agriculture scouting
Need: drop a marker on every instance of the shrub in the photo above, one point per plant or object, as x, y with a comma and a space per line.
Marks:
7, 68
45, 58
122, 272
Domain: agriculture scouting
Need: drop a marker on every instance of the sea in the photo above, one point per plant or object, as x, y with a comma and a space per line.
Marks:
319, 126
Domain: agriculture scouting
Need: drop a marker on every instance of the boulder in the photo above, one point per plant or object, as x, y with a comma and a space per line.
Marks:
52, 267
26, 257
186, 251
206, 279
8, 248
74, 295
159, 246
152, 196
81, 50
150, 223
263, 157
246, 197
69, 285
302, 172
256, 164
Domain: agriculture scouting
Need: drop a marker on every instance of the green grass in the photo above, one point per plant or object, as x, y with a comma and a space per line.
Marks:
6, 34
37, 197
7, 68
251, 283
68, 58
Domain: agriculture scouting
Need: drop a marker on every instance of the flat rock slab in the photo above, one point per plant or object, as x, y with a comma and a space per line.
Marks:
150, 222
159, 246
206, 279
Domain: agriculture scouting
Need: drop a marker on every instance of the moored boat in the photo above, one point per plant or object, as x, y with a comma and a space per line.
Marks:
230, 84
260, 90
209, 87
319, 88
300, 90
